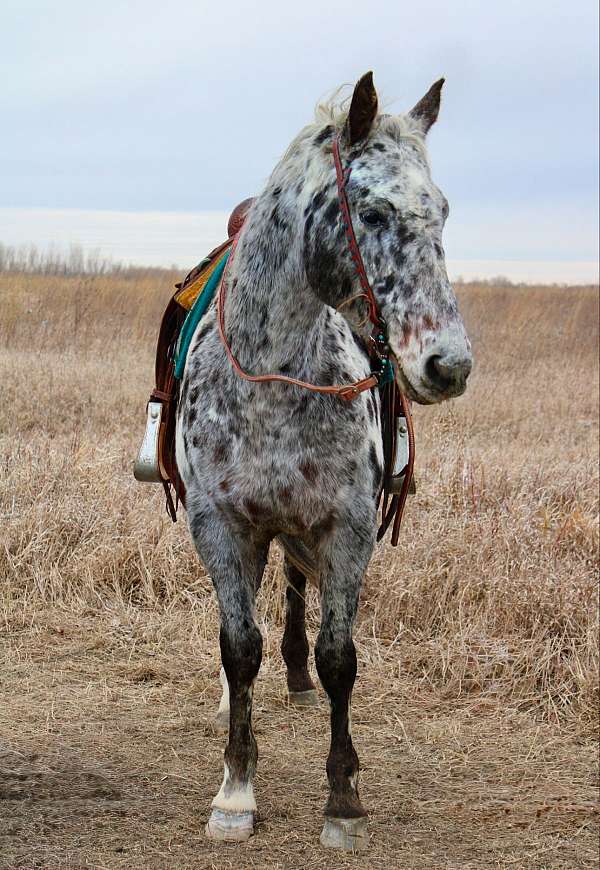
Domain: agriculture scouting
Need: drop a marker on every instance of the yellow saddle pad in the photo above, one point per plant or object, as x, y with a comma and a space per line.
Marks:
189, 293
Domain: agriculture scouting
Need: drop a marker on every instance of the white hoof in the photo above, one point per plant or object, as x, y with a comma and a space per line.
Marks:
221, 721
349, 834
230, 827
310, 698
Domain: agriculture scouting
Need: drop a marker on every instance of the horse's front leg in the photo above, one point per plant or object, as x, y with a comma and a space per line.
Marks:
344, 562
236, 564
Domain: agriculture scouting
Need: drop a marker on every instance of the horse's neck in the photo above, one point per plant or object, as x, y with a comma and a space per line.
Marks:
273, 321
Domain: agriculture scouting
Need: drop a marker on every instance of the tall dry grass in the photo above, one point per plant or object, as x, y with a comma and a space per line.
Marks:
490, 597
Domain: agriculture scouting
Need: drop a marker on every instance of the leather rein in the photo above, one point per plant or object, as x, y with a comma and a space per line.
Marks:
395, 402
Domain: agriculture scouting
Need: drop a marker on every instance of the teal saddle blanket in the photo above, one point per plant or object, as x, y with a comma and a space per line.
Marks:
195, 315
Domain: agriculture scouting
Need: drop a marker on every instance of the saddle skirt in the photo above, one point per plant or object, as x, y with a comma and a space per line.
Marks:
156, 462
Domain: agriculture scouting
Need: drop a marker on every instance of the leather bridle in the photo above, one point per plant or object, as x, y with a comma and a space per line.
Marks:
379, 351
344, 391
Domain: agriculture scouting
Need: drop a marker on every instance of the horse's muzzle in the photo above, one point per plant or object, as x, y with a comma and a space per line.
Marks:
447, 373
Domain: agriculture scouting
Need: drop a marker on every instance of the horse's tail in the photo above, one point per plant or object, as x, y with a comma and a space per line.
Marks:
300, 557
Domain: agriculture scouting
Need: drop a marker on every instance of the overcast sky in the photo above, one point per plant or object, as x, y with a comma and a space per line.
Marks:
186, 106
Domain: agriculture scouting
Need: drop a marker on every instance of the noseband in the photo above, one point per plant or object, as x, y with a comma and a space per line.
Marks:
394, 403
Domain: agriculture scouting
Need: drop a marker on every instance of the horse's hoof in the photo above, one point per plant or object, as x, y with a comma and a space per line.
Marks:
221, 721
309, 698
349, 834
230, 827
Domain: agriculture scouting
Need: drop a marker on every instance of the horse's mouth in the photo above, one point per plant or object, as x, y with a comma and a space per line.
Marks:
407, 387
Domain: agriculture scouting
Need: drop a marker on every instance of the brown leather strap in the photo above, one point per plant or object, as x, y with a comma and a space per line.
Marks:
161, 395
393, 405
342, 176
344, 391
408, 473
170, 505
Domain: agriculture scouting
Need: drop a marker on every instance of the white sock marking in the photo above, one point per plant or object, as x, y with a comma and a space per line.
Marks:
235, 800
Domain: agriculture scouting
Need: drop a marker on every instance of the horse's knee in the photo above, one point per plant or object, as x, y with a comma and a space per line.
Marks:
335, 659
241, 652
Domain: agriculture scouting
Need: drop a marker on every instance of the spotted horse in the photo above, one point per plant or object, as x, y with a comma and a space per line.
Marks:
265, 459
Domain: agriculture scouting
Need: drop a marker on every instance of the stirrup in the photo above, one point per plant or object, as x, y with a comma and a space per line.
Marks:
146, 467
396, 478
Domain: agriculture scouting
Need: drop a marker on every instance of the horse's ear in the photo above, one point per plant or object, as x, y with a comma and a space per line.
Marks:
363, 109
427, 109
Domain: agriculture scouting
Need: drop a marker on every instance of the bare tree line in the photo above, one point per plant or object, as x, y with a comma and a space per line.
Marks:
56, 261
74, 261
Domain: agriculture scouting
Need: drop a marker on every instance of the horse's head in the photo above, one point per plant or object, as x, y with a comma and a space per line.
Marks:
398, 215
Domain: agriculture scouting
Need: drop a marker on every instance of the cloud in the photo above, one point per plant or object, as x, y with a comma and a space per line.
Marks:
188, 105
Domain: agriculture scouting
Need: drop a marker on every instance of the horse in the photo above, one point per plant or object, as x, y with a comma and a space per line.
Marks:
264, 458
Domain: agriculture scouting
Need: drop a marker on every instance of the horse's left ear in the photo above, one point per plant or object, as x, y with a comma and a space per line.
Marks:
363, 109
427, 109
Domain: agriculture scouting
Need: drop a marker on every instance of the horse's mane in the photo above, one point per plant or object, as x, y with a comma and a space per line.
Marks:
333, 110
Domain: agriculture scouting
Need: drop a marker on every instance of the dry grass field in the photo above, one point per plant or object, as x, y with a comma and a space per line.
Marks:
476, 701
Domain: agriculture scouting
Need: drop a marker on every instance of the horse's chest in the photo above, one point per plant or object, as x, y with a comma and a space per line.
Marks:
278, 455
284, 444
285, 485
281, 463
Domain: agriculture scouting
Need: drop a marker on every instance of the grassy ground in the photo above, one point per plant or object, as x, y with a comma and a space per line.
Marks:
476, 702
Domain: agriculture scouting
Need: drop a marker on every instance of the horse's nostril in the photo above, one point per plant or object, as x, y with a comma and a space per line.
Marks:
448, 374
438, 373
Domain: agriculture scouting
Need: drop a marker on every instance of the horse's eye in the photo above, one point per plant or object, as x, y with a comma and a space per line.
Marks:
372, 218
